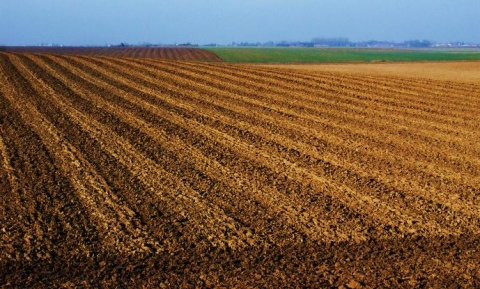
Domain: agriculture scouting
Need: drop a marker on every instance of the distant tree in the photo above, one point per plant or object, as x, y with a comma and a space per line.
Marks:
418, 43
188, 44
334, 42
269, 44
283, 44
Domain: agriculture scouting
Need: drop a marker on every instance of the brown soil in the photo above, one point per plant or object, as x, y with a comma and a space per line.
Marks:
171, 53
137, 172
463, 71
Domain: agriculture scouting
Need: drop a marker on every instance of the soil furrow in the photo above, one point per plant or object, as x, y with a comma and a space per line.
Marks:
445, 91
136, 173
311, 83
159, 210
113, 218
322, 96
421, 188
155, 178
249, 149
153, 212
260, 196
209, 149
184, 153
406, 135
9, 180
50, 218
348, 112
394, 159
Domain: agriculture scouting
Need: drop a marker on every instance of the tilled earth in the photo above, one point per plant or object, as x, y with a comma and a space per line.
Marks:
165, 53
135, 172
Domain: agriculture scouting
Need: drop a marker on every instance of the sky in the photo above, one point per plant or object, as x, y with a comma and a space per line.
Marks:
101, 22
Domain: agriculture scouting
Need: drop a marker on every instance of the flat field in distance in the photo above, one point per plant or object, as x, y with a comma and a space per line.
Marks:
460, 71
306, 55
167, 53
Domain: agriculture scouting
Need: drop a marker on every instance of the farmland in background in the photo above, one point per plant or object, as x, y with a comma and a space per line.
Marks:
459, 71
308, 55
137, 172
171, 53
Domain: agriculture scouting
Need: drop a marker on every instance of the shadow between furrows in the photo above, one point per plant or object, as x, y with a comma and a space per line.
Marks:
408, 262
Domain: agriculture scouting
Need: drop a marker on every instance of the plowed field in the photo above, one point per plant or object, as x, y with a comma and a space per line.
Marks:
459, 71
129, 172
172, 53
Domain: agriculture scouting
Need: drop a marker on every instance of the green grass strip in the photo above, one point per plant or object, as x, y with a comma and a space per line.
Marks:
312, 55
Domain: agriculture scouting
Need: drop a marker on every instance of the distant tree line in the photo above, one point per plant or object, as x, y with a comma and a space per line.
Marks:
418, 43
315, 42
332, 42
336, 42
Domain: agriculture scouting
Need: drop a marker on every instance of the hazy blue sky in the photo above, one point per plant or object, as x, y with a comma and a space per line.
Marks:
98, 22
